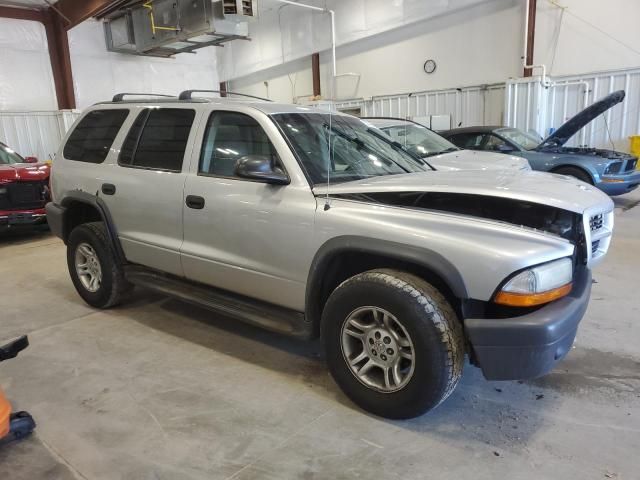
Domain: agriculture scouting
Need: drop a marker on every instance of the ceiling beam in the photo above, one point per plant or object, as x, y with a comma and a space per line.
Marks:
21, 14
77, 11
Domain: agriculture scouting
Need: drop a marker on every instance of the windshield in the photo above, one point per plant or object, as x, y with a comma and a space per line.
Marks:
419, 140
359, 151
8, 156
520, 138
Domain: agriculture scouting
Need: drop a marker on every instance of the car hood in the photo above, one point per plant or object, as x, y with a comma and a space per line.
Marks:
569, 128
474, 160
542, 188
24, 172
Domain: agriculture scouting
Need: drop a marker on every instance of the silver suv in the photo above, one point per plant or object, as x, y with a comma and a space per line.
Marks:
313, 224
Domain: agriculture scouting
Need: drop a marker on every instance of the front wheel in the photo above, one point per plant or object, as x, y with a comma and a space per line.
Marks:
576, 173
393, 343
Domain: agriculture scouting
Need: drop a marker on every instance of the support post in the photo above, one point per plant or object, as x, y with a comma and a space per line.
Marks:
315, 72
531, 35
58, 45
223, 89
60, 59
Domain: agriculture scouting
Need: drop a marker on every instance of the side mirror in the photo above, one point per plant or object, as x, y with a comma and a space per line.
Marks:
504, 148
261, 168
31, 159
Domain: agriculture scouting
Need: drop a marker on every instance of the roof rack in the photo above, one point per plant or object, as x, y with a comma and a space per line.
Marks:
187, 94
119, 97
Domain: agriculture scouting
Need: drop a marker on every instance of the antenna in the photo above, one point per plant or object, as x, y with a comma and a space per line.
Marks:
327, 204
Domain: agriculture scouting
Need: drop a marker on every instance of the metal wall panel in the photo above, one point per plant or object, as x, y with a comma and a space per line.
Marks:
476, 105
528, 105
35, 134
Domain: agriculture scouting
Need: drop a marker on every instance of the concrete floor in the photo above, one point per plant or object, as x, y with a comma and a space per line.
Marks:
157, 389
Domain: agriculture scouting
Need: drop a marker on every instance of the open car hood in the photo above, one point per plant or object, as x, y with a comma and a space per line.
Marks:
572, 126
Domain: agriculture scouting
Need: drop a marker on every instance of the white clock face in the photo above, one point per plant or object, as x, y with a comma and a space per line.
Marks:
429, 66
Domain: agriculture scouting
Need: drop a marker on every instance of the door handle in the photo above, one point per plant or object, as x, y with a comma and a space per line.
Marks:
108, 188
194, 201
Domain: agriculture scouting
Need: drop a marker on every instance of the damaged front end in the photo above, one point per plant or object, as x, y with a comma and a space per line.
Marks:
545, 218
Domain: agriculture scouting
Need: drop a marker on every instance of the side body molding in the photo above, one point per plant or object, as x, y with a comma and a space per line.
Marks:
423, 257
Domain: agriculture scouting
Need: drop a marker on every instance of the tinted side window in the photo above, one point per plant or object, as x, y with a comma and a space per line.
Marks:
92, 138
471, 141
230, 136
494, 143
158, 139
131, 142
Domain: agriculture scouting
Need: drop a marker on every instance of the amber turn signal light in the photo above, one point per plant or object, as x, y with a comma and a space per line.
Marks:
532, 299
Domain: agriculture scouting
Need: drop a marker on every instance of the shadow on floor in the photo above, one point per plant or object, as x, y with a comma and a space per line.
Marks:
501, 414
24, 235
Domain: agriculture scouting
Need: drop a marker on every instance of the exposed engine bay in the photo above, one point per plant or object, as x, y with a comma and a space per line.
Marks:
556, 221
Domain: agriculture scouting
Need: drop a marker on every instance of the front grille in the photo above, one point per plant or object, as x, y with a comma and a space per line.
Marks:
594, 247
596, 222
23, 195
631, 165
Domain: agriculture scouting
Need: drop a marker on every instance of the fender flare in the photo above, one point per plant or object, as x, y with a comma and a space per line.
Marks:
421, 256
75, 196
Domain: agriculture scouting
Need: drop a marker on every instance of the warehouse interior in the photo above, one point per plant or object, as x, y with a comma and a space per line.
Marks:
190, 376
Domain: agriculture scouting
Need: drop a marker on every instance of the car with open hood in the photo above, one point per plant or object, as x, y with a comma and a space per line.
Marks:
315, 224
612, 172
24, 189
438, 151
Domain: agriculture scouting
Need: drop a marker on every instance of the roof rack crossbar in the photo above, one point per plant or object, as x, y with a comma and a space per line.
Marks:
187, 94
119, 97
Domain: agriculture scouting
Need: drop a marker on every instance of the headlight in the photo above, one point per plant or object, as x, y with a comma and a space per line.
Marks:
613, 168
537, 285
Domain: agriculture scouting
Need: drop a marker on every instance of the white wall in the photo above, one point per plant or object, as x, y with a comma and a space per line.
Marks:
285, 32
470, 46
26, 80
98, 74
568, 45
480, 44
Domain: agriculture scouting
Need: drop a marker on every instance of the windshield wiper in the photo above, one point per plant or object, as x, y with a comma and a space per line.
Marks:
440, 152
363, 146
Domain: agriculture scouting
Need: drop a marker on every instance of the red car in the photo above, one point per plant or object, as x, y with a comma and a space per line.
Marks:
24, 189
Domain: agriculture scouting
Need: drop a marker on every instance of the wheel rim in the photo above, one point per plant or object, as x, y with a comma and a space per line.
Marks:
378, 349
88, 267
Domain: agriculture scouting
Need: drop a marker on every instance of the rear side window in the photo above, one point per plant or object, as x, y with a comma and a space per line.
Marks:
92, 138
157, 139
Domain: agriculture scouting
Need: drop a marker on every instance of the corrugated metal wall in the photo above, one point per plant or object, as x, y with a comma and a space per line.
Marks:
475, 105
522, 103
35, 134
528, 105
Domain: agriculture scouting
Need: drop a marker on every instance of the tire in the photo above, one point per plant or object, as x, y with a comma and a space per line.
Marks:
419, 312
111, 288
576, 173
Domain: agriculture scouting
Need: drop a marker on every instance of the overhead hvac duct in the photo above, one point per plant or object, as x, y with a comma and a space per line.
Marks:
163, 28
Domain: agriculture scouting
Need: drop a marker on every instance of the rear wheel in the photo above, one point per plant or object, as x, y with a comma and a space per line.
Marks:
393, 343
575, 172
94, 269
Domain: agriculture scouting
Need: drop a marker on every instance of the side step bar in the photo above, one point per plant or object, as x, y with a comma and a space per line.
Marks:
262, 314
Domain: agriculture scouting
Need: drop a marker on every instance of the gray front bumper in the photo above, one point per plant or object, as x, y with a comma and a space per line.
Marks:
529, 346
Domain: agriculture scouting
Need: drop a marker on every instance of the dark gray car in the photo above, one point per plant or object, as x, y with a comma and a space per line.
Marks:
612, 172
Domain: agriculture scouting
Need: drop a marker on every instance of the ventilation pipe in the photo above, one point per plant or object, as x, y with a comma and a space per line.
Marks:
332, 14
